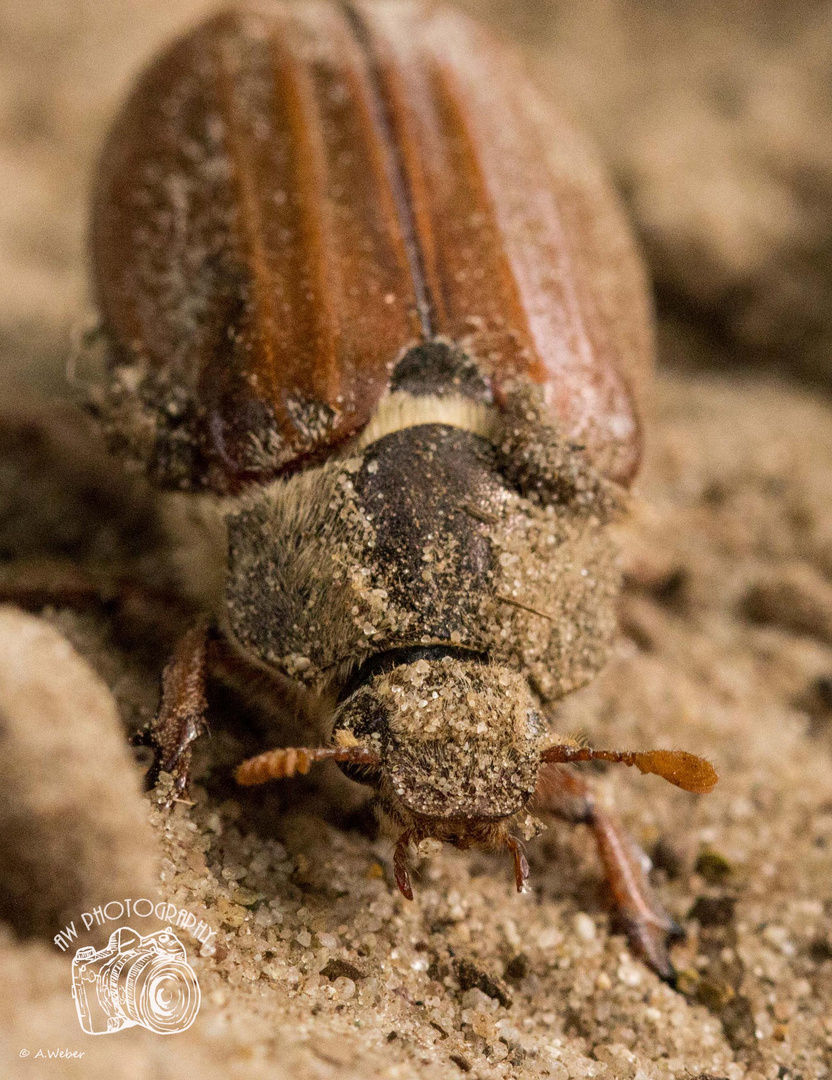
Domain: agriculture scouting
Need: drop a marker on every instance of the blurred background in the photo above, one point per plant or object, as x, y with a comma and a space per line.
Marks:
714, 117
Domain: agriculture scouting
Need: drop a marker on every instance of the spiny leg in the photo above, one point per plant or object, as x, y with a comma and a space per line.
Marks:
181, 716
521, 863
400, 867
636, 907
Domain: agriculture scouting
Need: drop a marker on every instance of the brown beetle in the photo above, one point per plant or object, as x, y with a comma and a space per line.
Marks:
374, 307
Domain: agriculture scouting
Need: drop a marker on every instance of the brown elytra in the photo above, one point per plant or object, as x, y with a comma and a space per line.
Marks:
294, 194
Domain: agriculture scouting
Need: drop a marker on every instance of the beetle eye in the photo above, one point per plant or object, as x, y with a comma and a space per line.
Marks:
370, 723
362, 715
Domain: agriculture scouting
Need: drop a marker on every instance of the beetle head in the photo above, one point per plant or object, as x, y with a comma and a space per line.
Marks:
458, 744
454, 749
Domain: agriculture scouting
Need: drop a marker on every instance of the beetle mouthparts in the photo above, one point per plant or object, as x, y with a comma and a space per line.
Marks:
686, 771
402, 871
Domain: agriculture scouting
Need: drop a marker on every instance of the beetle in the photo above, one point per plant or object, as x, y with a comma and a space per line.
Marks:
374, 309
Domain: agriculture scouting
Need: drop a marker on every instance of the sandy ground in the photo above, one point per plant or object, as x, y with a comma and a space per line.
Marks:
317, 967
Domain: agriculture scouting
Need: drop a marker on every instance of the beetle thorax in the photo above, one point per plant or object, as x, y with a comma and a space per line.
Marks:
414, 540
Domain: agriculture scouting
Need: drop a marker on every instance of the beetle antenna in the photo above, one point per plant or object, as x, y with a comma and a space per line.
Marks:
686, 771
297, 760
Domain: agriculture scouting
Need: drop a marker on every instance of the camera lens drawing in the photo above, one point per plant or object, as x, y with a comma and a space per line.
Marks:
135, 980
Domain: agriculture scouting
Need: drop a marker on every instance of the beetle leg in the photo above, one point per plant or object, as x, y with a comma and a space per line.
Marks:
636, 907
400, 868
521, 863
54, 583
36, 584
181, 716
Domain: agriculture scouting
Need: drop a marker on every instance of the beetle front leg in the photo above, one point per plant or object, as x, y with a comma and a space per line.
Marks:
181, 716
637, 909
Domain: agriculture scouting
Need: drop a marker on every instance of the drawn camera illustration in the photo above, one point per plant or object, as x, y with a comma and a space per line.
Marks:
135, 980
